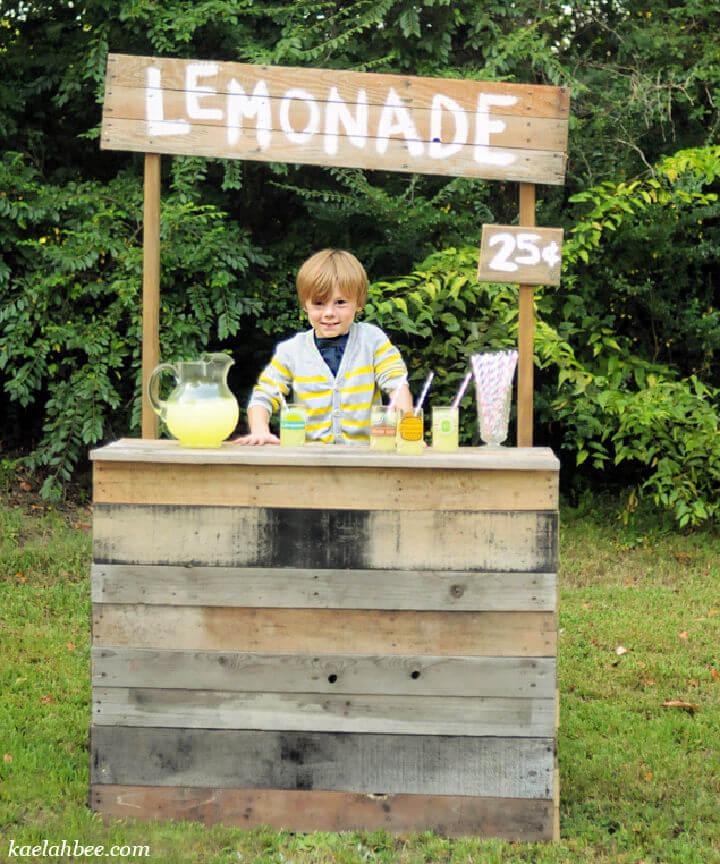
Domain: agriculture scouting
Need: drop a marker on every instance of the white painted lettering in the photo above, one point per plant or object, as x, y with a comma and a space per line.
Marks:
337, 112
485, 127
528, 243
194, 91
154, 110
313, 123
501, 260
239, 106
437, 149
395, 119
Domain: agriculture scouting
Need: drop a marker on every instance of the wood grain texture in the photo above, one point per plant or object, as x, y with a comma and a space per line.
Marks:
394, 674
323, 712
519, 819
539, 273
315, 539
535, 133
533, 100
329, 455
556, 806
349, 762
151, 288
526, 334
524, 141
273, 485
325, 631
290, 587
527, 166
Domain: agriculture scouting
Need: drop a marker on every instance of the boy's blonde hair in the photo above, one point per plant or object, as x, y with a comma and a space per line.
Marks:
329, 269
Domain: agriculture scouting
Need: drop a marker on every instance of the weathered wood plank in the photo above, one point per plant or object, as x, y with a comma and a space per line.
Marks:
329, 589
316, 539
525, 255
349, 762
325, 631
510, 164
533, 100
326, 456
534, 133
267, 486
519, 819
327, 673
324, 712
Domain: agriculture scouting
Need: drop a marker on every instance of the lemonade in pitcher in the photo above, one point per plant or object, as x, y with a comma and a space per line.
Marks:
201, 411
202, 423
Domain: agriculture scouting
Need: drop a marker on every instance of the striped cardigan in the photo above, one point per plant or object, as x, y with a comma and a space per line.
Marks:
338, 408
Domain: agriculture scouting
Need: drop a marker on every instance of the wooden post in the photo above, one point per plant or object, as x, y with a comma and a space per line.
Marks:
526, 332
151, 288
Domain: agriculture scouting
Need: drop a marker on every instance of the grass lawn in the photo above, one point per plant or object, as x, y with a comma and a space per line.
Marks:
640, 780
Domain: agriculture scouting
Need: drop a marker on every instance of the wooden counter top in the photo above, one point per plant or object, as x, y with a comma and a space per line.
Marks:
327, 455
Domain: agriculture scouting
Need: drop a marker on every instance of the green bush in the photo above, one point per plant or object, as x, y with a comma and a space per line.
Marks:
439, 315
70, 301
614, 408
626, 349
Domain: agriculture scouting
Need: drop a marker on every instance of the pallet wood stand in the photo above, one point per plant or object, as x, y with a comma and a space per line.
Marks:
323, 640
329, 638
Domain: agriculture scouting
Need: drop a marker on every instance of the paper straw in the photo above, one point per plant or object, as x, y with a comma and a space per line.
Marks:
426, 387
461, 391
494, 373
393, 398
279, 393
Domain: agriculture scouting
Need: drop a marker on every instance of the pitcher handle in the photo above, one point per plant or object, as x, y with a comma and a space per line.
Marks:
158, 405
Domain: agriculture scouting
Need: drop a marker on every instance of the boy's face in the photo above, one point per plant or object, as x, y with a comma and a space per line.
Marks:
332, 318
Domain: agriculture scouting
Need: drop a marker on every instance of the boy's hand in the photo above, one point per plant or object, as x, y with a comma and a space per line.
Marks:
257, 438
259, 423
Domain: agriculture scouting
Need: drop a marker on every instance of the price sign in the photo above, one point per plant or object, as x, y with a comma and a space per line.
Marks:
529, 256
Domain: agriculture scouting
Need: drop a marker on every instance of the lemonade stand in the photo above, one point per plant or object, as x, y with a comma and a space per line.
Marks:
329, 637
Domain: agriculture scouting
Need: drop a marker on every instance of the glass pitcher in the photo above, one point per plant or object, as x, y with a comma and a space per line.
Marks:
201, 411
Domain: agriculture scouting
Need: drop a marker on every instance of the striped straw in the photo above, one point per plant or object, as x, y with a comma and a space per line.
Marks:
393, 398
426, 387
461, 391
279, 394
493, 375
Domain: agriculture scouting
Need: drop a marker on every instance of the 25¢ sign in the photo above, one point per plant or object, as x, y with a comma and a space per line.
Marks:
529, 256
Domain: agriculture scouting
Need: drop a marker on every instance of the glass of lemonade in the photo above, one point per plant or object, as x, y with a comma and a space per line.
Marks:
383, 427
445, 428
293, 418
409, 437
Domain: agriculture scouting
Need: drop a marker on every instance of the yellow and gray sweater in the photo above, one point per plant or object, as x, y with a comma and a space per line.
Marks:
338, 407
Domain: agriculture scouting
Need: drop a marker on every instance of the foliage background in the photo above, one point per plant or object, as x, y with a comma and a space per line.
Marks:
627, 350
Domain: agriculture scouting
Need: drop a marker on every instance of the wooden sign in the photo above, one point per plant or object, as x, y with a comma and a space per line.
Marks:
330, 117
529, 256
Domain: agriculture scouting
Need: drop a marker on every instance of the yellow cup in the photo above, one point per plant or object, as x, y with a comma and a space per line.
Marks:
292, 425
410, 432
445, 428
383, 427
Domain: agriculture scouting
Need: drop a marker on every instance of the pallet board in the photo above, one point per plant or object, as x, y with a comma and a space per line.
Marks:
296, 588
307, 538
317, 810
267, 486
272, 649
451, 127
390, 674
391, 764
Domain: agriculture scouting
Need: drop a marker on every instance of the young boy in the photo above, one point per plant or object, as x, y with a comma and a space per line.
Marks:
337, 369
